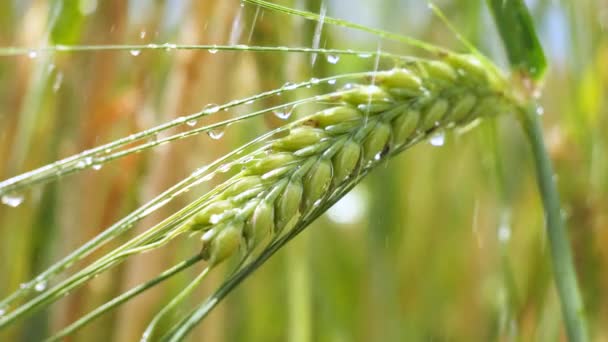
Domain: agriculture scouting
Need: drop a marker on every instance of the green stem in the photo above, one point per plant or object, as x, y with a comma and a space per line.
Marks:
561, 255
123, 298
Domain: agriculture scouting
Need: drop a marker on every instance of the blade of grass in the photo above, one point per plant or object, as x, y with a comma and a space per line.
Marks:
516, 28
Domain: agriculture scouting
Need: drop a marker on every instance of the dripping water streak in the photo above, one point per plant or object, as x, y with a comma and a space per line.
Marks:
254, 21
237, 27
316, 39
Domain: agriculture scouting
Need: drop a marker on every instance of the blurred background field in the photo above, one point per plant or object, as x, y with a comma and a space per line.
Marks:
442, 243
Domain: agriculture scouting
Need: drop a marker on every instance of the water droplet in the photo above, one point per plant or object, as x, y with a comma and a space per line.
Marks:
213, 51
97, 167
314, 80
283, 114
364, 55
12, 200
40, 286
504, 233
215, 218
142, 34
225, 167
208, 177
2, 311
249, 102
32, 54
215, 134
170, 46
333, 81
540, 110
333, 59
57, 82
211, 108
191, 123
437, 139
135, 52
289, 86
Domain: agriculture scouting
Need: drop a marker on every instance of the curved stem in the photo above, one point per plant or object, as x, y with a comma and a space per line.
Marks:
148, 334
123, 298
561, 254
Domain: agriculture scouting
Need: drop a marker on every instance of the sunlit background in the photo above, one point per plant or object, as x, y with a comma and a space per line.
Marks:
444, 242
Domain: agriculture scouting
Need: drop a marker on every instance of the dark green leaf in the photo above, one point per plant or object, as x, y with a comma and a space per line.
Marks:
519, 37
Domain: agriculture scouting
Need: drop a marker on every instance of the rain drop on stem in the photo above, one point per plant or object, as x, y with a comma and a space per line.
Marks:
211, 108
215, 134
290, 86
191, 123
135, 52
12, 200
437, 139
32, 54
284, 113
40, 286
333, 59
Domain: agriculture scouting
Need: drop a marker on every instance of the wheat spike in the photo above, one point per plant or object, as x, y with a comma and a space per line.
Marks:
293, 174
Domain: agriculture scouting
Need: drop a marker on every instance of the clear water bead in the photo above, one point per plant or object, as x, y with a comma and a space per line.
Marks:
333, 59
211, 108
290, 86
215, 134
437, 139
12, 200
135, 52
40, 286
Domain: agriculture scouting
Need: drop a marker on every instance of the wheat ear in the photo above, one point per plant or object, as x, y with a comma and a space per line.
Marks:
293, 174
